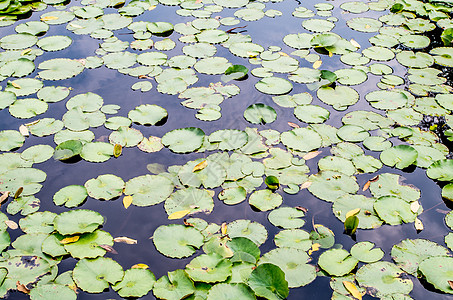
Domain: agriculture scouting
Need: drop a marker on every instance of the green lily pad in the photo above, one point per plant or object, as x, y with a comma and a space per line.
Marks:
148, 189
337, 262
126, 137
10, 139
394, 210
363, 252
293, 238
301, 139
37, 153
233, 195
368, 218
18, 41
274, 86
388, 184
97, 151
364, 24
52, 292
25, 205
183, 242
59, 69
105, 187
311, 113
401, 156
27, 108
436, 271
248, 229
441, 170
268, 281
28, 178
409, 253
25, 269
184, 140
293, 262
209, 268
191, 199
318, 25
38, 222
339, 97
329, 185
68, 149
70, 196
211, 176
54, 43
17, 68
228, 291
135, 283
443, 56
78, 221
265, 200
177, 285
229, 139
94, 275
384, 277
90, 245
53, 93
287, 217
260, 114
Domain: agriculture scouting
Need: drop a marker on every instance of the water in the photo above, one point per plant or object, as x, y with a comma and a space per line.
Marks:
140, 222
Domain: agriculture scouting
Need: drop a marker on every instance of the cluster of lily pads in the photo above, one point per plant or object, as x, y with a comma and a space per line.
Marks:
258, 164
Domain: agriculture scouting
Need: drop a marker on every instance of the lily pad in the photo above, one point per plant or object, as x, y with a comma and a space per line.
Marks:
400, 156
293, 262
105, 187
436, 271
209, 268
260, 114
94, 275
70, 196
409, 253
441, 170
183, 243
248, 229
337, 262
287, 217
176, 285
135, 283
363, 252
274, 86
384, 277
78, 221
265, 200
268, 281
148, 189
394, 210
184, 140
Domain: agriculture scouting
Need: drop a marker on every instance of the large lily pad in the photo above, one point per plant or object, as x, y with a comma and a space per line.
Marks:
148, 189
293, 262
209, 268
78, 221
437, 271
184, 140
105, 187
183, 242
94, 275
268, 281
384, 277
135, 283
337, 262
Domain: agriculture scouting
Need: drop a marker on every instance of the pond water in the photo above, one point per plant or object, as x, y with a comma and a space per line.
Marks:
140, 222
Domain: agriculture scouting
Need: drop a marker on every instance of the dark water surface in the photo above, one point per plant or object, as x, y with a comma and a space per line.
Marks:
140, 222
